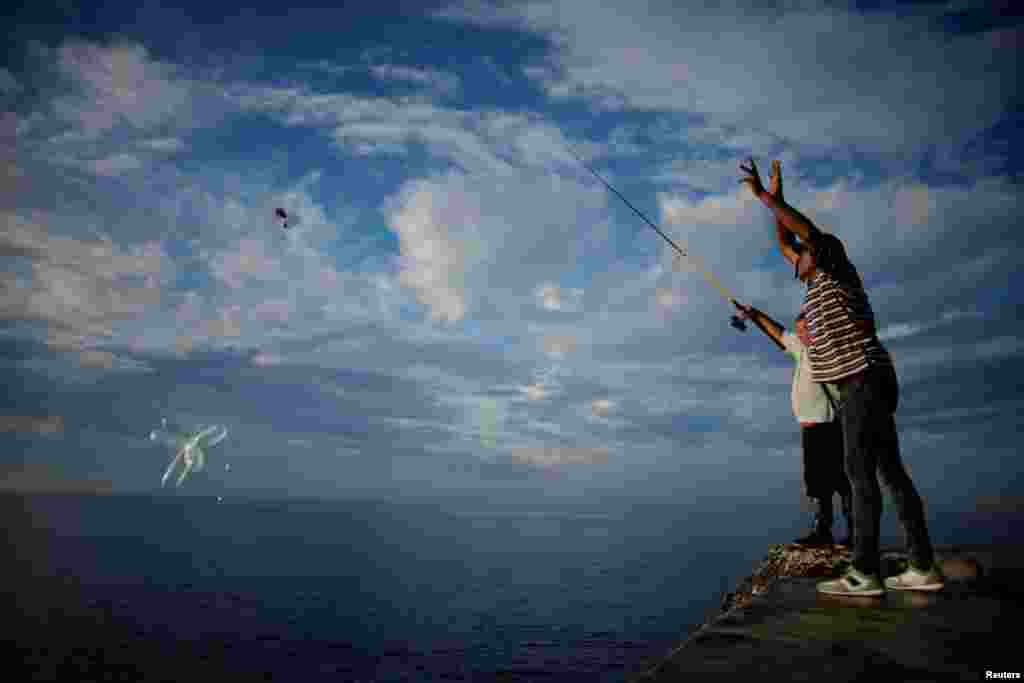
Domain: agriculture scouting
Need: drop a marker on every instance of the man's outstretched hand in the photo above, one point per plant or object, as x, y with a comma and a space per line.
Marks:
753, 179
746, 312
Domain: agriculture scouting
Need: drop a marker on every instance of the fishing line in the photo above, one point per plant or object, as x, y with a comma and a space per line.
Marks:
736, 322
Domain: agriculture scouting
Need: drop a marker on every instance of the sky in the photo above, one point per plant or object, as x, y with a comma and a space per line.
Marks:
458, 307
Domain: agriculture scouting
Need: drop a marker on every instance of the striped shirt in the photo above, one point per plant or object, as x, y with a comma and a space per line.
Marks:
835, 300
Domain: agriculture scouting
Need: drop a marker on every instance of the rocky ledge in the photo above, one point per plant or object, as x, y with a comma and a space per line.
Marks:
807, 562
775, 622
787, 560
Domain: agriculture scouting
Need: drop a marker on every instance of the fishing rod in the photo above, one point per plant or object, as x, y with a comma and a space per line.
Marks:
736, 321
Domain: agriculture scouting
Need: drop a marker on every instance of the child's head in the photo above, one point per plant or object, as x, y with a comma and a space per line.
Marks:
801, 329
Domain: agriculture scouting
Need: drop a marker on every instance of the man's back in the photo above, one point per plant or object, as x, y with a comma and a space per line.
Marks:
840, 318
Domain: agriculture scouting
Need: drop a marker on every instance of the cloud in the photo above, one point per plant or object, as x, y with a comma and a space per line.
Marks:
183, 345
80, 288
433, 79
115, 165
903, 330
249, 260
109, 361
602, 407
535, 392
554, 298
434, 262
264, 360
115, 84
559, 346
668, 300
871, 67
483, 141
163, 144
552, 457
33, 425
529, 365
726, 210
227, 325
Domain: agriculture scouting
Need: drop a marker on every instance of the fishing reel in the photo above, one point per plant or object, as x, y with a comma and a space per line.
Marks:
738, 323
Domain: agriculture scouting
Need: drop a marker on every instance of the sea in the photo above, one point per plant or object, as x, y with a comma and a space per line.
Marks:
152, 587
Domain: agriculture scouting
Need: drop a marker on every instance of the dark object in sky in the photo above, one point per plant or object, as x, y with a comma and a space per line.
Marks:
280, 213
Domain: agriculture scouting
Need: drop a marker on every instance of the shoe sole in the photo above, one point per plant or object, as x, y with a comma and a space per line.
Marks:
930, 587
858, 594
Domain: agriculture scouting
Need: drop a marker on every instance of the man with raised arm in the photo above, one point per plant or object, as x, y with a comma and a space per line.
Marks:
845, 351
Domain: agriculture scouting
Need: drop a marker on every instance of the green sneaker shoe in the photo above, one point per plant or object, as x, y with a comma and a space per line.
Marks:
917, 580
853, 583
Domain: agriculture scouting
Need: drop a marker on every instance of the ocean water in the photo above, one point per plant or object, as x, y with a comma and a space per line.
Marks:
170, 588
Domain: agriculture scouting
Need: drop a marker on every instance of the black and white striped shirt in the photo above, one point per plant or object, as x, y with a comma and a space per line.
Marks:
835, 300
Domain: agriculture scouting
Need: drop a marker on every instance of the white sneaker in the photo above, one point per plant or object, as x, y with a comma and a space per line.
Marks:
853, 583
916, 580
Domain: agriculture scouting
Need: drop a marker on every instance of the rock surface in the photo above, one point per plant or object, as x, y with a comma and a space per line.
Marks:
787, 560
775, 624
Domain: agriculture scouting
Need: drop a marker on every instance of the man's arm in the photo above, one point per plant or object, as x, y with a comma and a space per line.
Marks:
789, 219
766, 324
787, 242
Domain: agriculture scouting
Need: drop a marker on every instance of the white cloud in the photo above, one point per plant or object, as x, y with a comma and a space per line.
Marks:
115, 84
278, 310
473, 246
868, 67
483, 141
109, 361
559, 346
535, 392
227, 325
553, 298
434, 79
250, 260
429, 222
552, 457
265, 360
117, 164
80, 288
732, 209
163, 144
903, 330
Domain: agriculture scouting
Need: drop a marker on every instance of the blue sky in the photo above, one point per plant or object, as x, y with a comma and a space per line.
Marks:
461, 308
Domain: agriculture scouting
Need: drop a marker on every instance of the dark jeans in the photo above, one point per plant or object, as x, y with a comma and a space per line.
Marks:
872, 451
823, 468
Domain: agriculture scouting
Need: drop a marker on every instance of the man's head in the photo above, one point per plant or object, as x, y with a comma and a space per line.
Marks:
825, 252
802, 333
